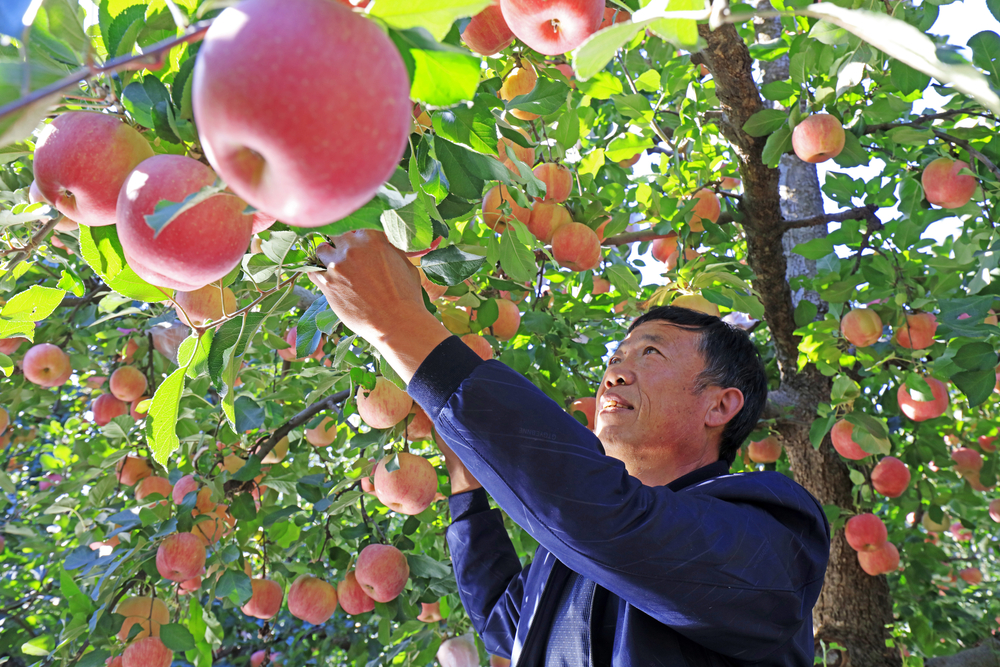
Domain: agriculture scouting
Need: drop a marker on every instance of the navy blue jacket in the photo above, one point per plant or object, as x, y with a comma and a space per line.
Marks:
724, 571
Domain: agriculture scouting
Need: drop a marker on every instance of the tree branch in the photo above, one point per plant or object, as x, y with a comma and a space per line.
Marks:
987, 654
866, 212
33, 243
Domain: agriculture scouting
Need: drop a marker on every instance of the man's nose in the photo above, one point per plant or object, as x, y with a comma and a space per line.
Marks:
619, 374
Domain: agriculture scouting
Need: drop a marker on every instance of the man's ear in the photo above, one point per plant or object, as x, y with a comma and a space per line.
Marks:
728, 402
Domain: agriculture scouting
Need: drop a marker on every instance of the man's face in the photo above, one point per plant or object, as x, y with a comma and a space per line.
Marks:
647, 400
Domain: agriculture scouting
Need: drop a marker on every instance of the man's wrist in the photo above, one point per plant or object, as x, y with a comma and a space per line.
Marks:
407, 341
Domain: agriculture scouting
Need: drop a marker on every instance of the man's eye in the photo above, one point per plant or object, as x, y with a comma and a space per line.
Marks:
613, 360
650, 349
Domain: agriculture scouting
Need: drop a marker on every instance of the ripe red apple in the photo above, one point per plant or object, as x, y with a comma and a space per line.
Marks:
167, 338
891, 477
266, 599
881, 561
180, 557
353, 598
986, 443
185, 485
382, 570
920, 411
818, 138
134, 408
327, 159
131, 469
588, 406
967, 460
289, 353
81, 161
690, 254
131, 347
257, 657
106, 407
576, 246
201, 245
944, 186
844, 443
216, 526
312, 599
487, 33
960, 532
865, 532
917, 332
420, 427
210, 303
408, 490
861, 327
971, 575
696, 302
523, 154
546, 218
494, 218
153, 484
128, 383
479, 345
50, 480
434, 291
46, 365
508, 321
458, 652
663, 247
767, 450
567, 71
601, 286
385, 406
430, 612
553, 27
995, 510
148, 652
324, 434
9, 346
706, 208
520, 81
558, 181
148, 613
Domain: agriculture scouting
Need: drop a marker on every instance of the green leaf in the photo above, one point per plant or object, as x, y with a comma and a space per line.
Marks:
249, 414
409, 228
854, 154
516, 259
176, 637
681, 32
976, 385
601, 86
907, 79
161, 420
778, 143
443, 78
94, 658
167, 211
366, 217
765, 122
976, 356
546, 97
434, 15
597, 50
234, 585
778, 90
814, 249
622, 278
307, 332
33, 305
473, 127
103, 253
7, 366
39, 645
425, 566
985, 47
870, 433
451, 265
627, 146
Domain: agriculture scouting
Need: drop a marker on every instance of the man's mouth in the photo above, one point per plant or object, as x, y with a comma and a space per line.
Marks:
612, 403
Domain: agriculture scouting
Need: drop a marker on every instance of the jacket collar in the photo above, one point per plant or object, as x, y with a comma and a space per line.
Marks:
699, 475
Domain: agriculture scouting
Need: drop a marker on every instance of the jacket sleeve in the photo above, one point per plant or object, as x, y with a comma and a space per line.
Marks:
489, 575
735, 565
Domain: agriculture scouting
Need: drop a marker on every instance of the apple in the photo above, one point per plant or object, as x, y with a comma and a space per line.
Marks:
217, 525
106, 407
865, 532
181, 556
147, 486
278, 453
385, 406
148, 652
479, 345
458, 652
382, 570
601, 286
323, 434
663, 247
706, 208
520, 81
420, 427
81, 160
546, 218
131, 469
920, 411
933, 526
960, 532
487, 33
967, 460
613, 15
508, 321
986, 443
844, 443
455, 319
494, 218
209, 303
199, 246
576, 247
588, 406
696, 302
312, 599
9, 346
430, 612
50, 480
861, 327
971, 575
553, 27
944, 186
972, 477
434, 291
767, 450
729, 183
917, 331
410, 488
185, 485
167, 338
818, 138
891, 477
352, 597
46, 365
127, 383
330, 156
522, 153
881, 561
257, 658
4, 419
567, 71
288, 353
558, 181
148, 613
265, 600
994, 510
134, 408
131, 347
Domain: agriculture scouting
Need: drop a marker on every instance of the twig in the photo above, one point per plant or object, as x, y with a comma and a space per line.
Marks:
920, 120
866, 212
972, 151
33, 243
664, 137
247, 308
873, 226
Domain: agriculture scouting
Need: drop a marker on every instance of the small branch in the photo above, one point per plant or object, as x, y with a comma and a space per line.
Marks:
248, 307
972, 151
873, 226
882, 127
35, 241
861, 213
664, 137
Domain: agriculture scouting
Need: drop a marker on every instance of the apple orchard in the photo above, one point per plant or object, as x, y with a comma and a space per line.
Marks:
200, 465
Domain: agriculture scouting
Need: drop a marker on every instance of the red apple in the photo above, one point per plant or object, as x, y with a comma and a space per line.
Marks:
546, 218
131, 347
588, 406
986, 443
494, 218
218, 524
865, 532
409, 489
148, 652
257, 658
558, 181
324, 434
128, 383
967, 460
917, 331
706, 208
266, 599
844, 443
861, 327
881, 561
576, 246
148, 613
498, 661
180, 557
106, 407
995, 510
601, 286
487, 33
767, 450
198, 247
185, 485
382, 571
9, 346
818, 138
508, 321
153, 484
663, 247
960, 532
520, 81
430, 612
553, 27
420, 427
567, 71
971, 575
328, 158
944, 186
385, 406
81, 160
891, 477
134, 408
167, 338
131, 469
613, 15
458, 652
920, 411
312, 599
523, 154
434, 291
352, 597
46, 365
210, 303
479, 345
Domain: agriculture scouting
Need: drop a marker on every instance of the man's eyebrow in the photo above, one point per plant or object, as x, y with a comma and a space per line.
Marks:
645, 337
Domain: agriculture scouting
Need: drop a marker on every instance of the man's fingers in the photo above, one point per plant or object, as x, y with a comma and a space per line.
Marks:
326, 254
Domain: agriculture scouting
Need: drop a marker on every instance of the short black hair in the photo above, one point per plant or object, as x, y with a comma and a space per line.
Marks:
731, 360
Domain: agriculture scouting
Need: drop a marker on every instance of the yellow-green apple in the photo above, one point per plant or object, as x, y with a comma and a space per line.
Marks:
494, 218
920, 411
434, 291
385, 406
613, 15
106, 407
558, 181
844, 443
278, 453
9, 346
553, 27
576, 246
696, 302
520, 81
588, 406
546, 218
508, 321
971, 575
410, 488
944, 186
46, 365
430, 612
127, 383
266, 599
995, 510
312, 599
382, 570
865, 532
479, 345
917, 331
209, 303
767, 450
663, 247
967, 460
352, 597
891, 477
707, 207
185, 485
148, 613
180, 557
933, 526
81, 160
883, 560
487, 33
525, 154
131, 469
420, 427
326, 159
323, 434
201, 245
601, 286
134, 411
861, 327
818, 138
153, 484
148, 652
458, 652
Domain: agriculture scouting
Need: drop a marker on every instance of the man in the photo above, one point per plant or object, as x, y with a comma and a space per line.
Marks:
650, 553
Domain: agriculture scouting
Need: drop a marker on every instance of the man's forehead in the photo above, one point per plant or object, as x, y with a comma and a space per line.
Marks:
662, 332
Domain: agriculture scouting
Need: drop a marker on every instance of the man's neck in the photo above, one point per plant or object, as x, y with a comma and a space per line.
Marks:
653, 470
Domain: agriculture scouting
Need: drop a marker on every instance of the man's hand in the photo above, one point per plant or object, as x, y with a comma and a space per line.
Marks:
461, 479
375, 291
